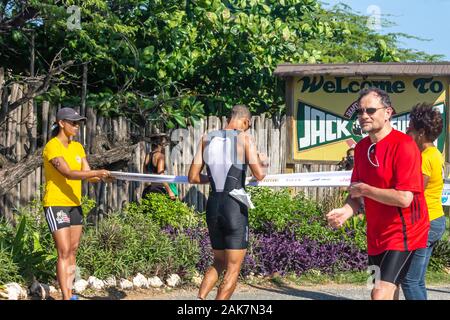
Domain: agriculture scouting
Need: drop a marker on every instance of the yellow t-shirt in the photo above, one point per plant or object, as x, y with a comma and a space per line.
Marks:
433, 166
60, 191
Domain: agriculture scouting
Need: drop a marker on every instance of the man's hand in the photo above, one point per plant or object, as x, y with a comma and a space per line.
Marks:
94, 180
358, 189
337, 217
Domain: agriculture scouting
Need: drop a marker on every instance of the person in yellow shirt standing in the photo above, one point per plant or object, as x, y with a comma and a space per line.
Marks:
425, 126
65, 165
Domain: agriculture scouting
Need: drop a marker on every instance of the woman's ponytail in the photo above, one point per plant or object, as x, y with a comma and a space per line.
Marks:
54, 130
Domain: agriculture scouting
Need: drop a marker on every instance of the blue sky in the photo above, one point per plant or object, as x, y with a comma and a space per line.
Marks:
429, 19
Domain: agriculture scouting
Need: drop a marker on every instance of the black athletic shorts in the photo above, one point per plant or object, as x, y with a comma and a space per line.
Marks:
63, 217
227, 221
153, 188
393, 265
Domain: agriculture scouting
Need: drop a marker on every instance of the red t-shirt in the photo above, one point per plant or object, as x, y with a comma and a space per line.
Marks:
400, 162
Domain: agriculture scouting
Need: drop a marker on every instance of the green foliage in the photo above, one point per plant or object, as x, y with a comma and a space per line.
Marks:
9, 272
275, 208
280, 211
143, 237
440, 258
175, 61
165, 212
354, 231
28, 248
121, 245
32, 249
126, 244
6, 233
335, 200
87, 204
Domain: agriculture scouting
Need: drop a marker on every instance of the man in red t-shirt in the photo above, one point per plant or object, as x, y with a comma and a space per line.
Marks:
387, 175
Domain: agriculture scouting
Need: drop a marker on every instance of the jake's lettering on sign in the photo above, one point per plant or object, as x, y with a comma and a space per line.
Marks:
317, 127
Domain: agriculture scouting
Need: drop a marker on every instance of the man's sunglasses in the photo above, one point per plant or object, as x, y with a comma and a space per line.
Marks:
369, 111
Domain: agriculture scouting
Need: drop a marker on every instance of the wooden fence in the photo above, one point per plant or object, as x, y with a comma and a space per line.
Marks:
29, 127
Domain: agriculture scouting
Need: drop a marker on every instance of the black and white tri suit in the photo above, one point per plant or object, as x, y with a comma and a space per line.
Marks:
227, 218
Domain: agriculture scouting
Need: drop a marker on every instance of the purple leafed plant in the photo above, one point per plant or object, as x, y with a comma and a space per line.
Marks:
201, 236
280, 252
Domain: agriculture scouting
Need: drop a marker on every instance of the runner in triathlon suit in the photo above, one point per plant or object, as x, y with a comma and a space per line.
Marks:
387, 175
226, 154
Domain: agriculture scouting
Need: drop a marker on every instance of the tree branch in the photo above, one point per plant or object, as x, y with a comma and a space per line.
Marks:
45, 82
18, 20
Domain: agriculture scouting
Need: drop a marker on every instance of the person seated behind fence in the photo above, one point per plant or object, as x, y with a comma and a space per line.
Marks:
154, 163
347, 163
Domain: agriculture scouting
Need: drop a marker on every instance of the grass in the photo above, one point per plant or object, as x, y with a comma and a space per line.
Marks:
436, 278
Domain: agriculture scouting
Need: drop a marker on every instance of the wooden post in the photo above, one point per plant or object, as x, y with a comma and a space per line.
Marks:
83, 101
204, 188
91, 127
3, 106
45, 122
51, 120
189, 152
273, 148
32, 54
283, 147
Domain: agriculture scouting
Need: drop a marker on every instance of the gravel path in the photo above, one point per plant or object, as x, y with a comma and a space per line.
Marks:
290, 292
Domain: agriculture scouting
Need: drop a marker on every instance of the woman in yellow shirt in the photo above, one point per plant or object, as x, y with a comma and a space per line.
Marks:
425, 126
65, 165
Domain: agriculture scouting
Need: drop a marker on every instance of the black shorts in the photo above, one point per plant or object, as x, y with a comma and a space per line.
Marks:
227, 221
393, 265
153, 188
63, 217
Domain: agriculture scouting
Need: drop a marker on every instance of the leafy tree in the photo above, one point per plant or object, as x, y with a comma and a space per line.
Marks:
174, 61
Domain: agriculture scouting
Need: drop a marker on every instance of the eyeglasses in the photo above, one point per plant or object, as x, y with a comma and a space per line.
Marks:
371, 154
369, 111
73, 123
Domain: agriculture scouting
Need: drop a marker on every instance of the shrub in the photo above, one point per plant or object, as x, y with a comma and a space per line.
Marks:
282, 253
279, 211
125, 244
6, 234
199, 235
440, 258
87, 204
335, 200
355, 231
276, 209
271, 251
9, 271
164, 211
161, 236
33, 249
29, 246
